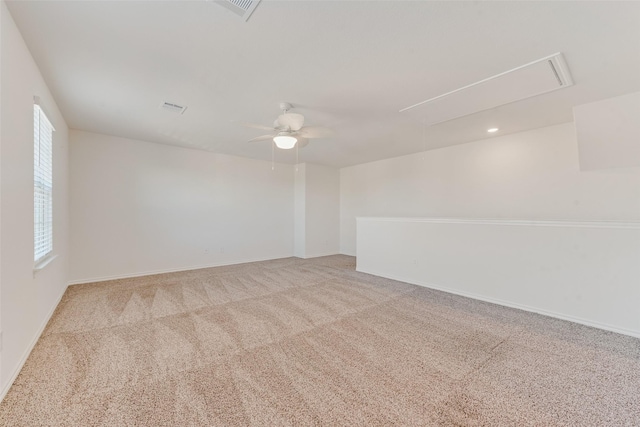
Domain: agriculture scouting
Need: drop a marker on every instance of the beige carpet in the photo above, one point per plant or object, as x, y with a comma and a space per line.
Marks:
312, 342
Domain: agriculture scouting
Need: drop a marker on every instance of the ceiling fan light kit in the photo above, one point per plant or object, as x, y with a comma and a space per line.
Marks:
285, 141
289, 130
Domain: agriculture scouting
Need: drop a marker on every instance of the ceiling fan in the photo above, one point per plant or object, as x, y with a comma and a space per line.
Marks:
288, 130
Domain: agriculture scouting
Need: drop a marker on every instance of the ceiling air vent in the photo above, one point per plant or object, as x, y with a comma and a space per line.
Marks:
535, 78
242, 8
173, 108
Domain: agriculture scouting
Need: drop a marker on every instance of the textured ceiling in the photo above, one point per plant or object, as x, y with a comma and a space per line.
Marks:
348, 65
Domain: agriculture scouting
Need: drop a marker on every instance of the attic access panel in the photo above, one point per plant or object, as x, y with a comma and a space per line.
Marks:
535, 78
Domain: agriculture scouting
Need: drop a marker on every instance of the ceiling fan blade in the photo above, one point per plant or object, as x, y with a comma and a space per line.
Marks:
253, 125
302, 142
261, 138
293, 121
315, 132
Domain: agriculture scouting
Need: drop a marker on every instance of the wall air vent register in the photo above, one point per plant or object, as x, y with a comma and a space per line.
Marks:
172, 108
242, 8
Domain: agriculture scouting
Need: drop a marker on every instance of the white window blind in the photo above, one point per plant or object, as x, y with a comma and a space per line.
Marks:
42, 184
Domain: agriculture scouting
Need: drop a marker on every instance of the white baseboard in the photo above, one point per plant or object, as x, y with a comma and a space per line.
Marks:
504, 303
318, 255
171, 270
27, 352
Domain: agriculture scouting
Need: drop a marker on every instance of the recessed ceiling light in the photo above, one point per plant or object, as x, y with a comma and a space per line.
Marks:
492, 130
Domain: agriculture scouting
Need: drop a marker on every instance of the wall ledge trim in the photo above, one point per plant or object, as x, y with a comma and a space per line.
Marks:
504, 303
512, 222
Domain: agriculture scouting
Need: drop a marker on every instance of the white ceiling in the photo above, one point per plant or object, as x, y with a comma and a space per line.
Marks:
348, 65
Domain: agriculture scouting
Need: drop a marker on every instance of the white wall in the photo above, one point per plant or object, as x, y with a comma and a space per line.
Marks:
608, 132
322, 211
138, 207
317, 211
300, 215
26, 301
529, 175
586, 272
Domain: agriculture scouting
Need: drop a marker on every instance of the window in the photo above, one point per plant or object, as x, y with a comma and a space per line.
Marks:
42, 184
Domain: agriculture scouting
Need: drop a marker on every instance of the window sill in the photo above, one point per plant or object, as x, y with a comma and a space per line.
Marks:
43, 263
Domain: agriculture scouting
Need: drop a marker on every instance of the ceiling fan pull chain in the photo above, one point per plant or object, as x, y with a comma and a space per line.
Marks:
273, 165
